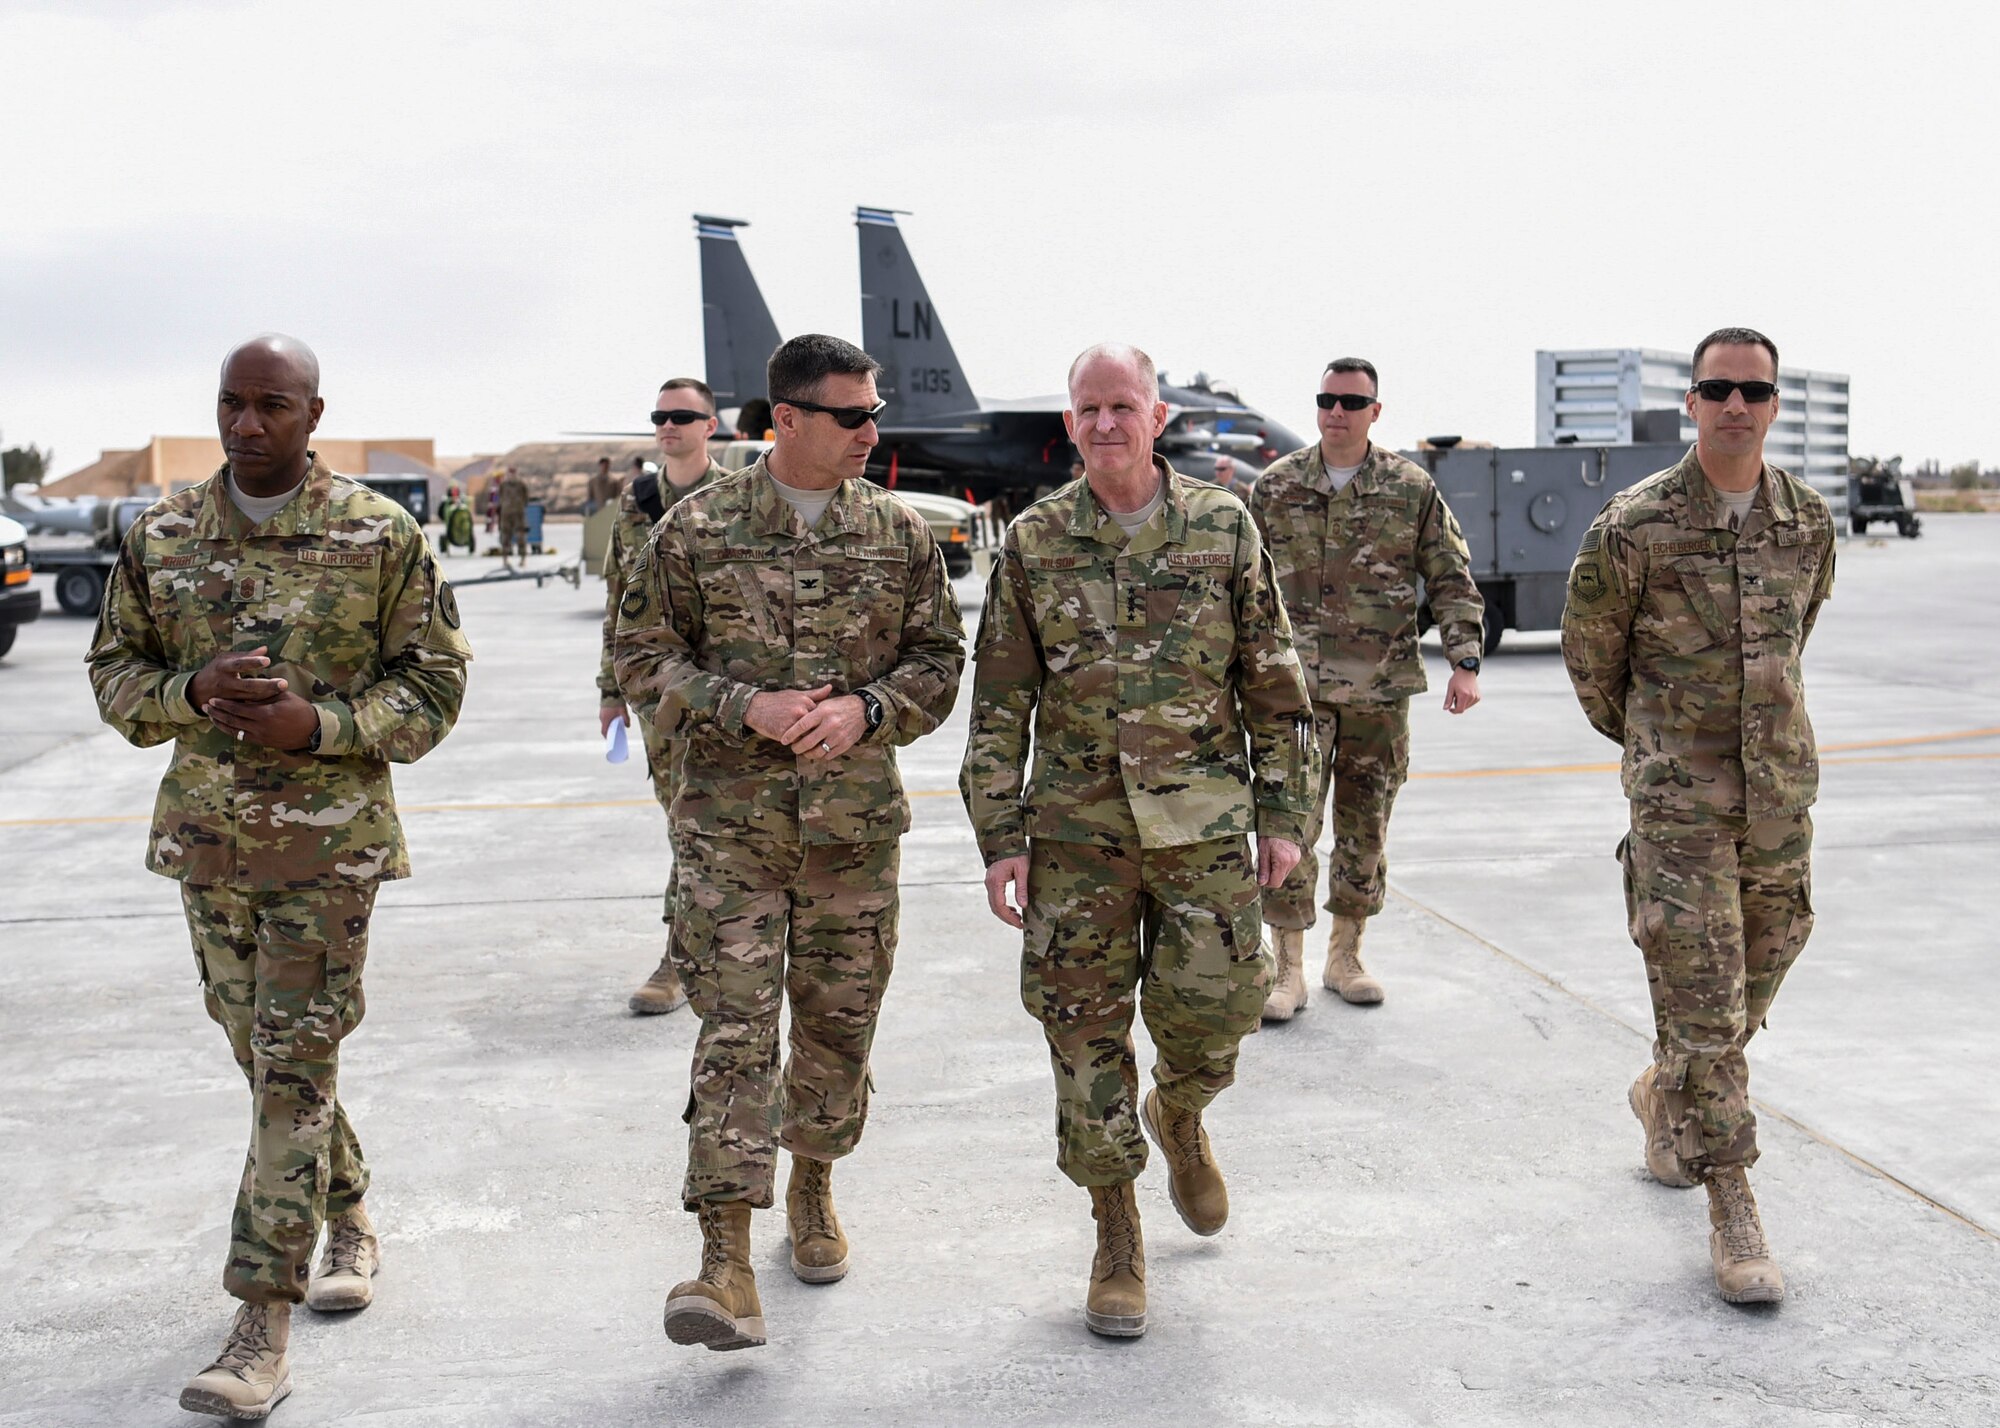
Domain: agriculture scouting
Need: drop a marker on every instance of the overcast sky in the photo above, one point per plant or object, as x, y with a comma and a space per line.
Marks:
479, 214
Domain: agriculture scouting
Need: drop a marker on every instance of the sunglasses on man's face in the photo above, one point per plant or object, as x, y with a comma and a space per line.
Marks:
679, 417
1717, 389
846, 418
1346, 401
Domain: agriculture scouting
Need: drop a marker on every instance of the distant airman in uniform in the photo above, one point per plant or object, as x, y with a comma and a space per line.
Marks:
1134, 635
793, 626
1689, 606
288, 629
602, 488
513, 513
683, 420
1352, 531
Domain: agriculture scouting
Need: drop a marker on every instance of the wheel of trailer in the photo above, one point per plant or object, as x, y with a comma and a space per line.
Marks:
1906, 527
6, 639
1493, 633
1858, 524
80, 589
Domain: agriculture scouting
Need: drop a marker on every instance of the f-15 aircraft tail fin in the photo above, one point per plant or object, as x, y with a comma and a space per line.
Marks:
900, 327
737, 331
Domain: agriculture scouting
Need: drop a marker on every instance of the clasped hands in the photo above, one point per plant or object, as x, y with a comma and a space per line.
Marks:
238, 701
812, 723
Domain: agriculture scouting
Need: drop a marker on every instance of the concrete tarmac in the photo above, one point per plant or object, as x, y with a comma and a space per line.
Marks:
1440, 1215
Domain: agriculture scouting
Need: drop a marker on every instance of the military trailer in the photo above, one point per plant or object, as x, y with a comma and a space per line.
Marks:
1879, 491
1524, 511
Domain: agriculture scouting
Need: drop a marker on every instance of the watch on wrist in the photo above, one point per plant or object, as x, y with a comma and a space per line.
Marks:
1470, 664
872, 707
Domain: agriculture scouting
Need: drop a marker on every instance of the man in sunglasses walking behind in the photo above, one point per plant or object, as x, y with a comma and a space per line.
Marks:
1689, 605
1352, 529
794, 625
683, 421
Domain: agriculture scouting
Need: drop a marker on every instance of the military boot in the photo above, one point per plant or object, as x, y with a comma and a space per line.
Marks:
819, 1249
252, 1375
719, 1306
1344, 972
1662, 1161
1288, 987
1744, 1269
1116, 1306
661, 992
1194, 1182
345, 1278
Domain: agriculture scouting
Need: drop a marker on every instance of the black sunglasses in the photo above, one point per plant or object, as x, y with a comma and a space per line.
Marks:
1717, 389
1346, 401
680, 416
847, 418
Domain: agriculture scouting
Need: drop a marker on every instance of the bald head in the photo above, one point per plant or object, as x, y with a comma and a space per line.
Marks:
266, 412
1127, 359
275, 354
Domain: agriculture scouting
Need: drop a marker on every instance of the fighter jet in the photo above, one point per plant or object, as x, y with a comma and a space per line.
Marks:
936, 425
937, 432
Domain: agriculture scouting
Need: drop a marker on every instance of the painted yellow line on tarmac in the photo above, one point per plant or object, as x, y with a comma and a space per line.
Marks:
1531, 771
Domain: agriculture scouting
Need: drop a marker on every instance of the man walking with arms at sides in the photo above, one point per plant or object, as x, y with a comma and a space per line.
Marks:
289, 630
1352, 529
794, 625
1689, 606
683, 421
1133, 633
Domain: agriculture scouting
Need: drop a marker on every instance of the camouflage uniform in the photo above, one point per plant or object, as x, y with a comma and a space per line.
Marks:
784, 860
1682, 638
513, 513
280, 852
1140, 664
1348, 563
639, 510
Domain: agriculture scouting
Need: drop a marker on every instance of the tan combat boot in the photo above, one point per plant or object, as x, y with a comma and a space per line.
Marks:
1744, 1269
252, 1375
719, 1307
819, 1249
1116, 1306
1344, 972
1194, 1182
1650, 1107
1288, 987
345, 1278
661, 992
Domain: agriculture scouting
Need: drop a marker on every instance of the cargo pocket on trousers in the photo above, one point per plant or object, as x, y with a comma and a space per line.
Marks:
1795, 943
1037, 990
1245, 930
691, 948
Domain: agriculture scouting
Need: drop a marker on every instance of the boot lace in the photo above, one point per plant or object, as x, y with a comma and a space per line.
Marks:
249, 1340
814, 1201
1742, 1235
1121, 1233
343, 1246
1184, 1129
714, 1246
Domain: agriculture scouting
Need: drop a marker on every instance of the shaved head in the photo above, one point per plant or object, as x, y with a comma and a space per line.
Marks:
1124, 355
275, 347
267, 411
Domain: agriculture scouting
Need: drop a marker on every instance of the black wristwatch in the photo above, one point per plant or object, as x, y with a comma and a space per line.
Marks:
872, 707
1470, 664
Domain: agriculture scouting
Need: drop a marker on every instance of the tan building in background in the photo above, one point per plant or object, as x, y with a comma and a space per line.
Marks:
167, 464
